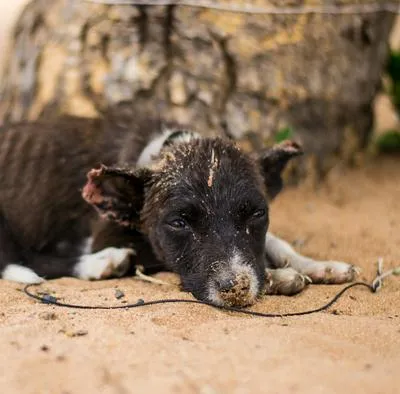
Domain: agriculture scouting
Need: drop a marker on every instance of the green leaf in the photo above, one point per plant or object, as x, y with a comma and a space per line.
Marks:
393, 69
284, 134
389, 142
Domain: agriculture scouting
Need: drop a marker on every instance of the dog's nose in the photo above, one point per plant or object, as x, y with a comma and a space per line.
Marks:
226, 284
235, 291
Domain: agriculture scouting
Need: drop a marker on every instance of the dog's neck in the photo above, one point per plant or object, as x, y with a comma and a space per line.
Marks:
167, 138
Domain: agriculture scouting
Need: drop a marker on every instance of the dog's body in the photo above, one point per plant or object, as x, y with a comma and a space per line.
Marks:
171, 200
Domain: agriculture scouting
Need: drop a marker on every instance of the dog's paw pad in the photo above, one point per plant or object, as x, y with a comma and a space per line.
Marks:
109, 262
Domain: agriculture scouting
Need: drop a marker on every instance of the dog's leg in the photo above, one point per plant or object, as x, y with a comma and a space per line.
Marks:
109, 262
281, 255
109, 234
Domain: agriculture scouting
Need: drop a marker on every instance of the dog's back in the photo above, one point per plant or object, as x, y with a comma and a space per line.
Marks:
43, 168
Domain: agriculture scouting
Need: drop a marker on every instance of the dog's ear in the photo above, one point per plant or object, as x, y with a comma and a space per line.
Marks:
116, 193
273, 162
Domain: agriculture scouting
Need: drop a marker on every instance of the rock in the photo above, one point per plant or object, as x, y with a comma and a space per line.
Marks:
119, 294
48, 316
245, 74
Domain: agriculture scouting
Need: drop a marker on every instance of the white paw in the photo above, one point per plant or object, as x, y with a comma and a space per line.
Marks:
21, 274
109, 262
331, 272
285, 281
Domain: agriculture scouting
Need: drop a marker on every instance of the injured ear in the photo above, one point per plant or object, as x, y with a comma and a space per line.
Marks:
273, 162
117, 194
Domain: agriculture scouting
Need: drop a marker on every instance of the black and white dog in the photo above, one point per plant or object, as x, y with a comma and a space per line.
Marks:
165, 198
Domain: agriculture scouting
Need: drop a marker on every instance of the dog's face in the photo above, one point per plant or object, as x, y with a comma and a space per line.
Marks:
204, 208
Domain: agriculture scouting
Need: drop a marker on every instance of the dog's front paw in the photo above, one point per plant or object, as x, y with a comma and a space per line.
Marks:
109, 262
285, 281
332, 272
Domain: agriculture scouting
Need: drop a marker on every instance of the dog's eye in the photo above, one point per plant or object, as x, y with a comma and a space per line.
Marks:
260, 213
178, 224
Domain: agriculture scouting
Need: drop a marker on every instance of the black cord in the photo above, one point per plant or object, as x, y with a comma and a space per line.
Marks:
53, 301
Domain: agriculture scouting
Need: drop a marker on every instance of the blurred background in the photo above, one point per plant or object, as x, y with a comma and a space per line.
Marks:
329, 80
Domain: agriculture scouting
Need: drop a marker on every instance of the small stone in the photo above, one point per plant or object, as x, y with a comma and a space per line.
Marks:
48, 316
78, 333
119, 294
44, 348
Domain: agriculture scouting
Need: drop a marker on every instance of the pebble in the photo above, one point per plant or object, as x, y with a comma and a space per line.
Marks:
48, 316
119, 294
78, 333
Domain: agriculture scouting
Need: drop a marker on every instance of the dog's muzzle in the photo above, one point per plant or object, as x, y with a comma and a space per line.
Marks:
236, 291
235, 288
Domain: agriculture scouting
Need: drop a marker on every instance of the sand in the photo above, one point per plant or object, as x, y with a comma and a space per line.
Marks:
353, 347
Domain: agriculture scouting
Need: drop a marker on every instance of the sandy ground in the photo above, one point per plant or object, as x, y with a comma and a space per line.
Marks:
354, 347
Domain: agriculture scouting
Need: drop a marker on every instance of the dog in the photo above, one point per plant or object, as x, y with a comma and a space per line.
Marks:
94, 198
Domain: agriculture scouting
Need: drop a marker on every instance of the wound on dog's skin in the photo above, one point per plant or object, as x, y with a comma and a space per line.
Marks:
213, 168
117, 194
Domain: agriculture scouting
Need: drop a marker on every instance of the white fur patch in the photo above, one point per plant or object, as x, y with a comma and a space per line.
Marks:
213, 295
21, 274
86, 247
109, 262
155, 146
152, 149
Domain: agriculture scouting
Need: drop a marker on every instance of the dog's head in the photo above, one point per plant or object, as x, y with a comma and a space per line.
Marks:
203, 205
